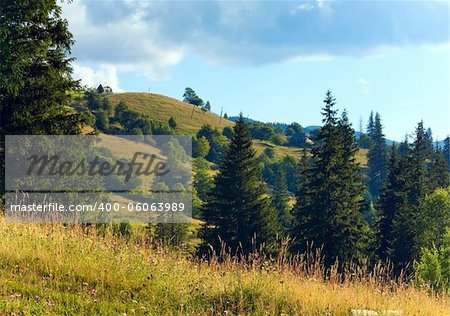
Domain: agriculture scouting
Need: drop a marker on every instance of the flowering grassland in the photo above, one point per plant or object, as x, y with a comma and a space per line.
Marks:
57, 270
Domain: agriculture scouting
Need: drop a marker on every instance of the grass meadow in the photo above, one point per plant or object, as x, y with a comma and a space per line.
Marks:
67, 270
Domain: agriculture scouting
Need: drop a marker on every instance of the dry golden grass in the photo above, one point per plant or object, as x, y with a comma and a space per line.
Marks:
57, 270
161, 108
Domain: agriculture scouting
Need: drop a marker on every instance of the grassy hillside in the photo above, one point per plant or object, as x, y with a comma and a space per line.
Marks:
57, 270
161, 108
282, 151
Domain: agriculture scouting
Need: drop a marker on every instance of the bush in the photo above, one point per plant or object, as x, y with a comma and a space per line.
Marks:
433, 268
102, 120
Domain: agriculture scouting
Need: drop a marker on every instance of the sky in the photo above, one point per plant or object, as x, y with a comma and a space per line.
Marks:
274, 60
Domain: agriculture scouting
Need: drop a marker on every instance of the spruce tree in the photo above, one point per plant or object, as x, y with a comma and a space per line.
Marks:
392, 198
377, 157
408, 220
238, 212
370, 124
439, 176
280, 200
328, 212
35, 72
446, 150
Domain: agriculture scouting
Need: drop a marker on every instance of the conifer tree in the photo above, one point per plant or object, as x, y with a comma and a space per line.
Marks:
446, 150
377, 157
238, 212
408, 220
439, 176
35, 72
370, 124
392, 198
280, 200
328, 212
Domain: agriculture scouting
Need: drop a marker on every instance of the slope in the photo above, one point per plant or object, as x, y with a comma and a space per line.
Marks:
160, 108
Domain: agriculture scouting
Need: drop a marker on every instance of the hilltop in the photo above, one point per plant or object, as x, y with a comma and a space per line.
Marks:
160, 108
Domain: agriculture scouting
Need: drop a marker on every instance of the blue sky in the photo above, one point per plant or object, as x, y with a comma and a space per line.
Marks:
274, 60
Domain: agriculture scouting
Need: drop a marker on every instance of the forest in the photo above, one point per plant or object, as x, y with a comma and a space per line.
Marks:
333, 198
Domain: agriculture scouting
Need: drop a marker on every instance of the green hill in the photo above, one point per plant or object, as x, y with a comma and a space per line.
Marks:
160, 108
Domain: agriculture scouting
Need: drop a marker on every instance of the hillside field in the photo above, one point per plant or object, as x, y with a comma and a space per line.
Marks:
58, 270
160, 108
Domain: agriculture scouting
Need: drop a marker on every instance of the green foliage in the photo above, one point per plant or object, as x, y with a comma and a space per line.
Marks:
446, 150
35, 72
200, 147
228, 132
377, 157
191, 97
102, 120
133, 121
207, 106
218, 143
238, 212
297, 136
403, 202
280, 201
438, 172
433, 268
203, 182
391, 201
435, 220
172, 123
328, 212
87, 118
263, 131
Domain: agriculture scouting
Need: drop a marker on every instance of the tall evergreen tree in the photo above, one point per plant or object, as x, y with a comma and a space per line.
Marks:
328, 212
446, 150
439, 176
392, 198
408, 220
238, 210
35, 72
370, 124
404, 147
280, 200
377, 157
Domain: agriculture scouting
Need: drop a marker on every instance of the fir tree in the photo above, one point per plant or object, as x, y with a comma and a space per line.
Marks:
35, 72
238, 210
408, 220
446, 150
377, 157
280, 200
439, 176
328, 212
392, 198
370, 124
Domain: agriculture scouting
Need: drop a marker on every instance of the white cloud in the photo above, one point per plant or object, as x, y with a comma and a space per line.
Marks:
105, 75
365, 85
303, 58
126, 44
152, 36
306, 6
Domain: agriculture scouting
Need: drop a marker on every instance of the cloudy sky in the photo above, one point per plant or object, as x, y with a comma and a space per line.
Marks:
274, 60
